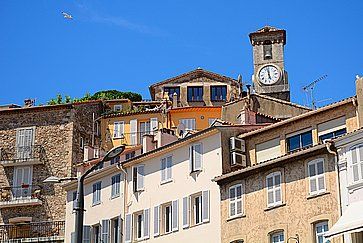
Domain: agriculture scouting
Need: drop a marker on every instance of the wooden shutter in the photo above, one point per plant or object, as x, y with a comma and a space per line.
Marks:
198, 151
128, 228
185, 212
147, 223
277, 185
205, 206
191, 169
154, 126
169, 162
163, 169
156, 221
86, 234
175, 215
133, 131
105, 230
140, 177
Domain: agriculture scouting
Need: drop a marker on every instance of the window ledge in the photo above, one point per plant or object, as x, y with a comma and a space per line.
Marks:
95, 204
115, 196
166, 181
355, 186
275, 206
236, 217
310, 196
195, 172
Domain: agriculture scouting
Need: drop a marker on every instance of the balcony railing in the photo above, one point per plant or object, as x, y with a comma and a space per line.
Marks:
132, 139
25, 195
47, 231
21, 155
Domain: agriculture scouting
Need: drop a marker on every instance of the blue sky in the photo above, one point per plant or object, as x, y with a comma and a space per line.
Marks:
128, 45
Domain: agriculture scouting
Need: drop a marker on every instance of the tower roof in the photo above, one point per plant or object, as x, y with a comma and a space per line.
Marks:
270, 33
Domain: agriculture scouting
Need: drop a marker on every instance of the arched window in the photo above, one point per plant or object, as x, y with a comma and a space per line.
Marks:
277, 237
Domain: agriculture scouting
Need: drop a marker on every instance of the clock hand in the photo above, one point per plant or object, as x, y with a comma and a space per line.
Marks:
268, 72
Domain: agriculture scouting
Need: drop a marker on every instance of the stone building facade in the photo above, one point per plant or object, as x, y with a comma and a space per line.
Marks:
36, 143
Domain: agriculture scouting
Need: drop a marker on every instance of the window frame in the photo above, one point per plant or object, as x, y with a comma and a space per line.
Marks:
164, 170
215, 89
96, 238
235, 200
138, 224
318, 224
195, 214
164, 217
136, 176
96, 195
192, 157
300, 135
119, 132
115, 186
278, 234
117, 108
176, 90
189, 121
358, 164
274, 189
317, 176
333, 134
196, 91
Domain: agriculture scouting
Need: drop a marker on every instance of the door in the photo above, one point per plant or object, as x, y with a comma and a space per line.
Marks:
22, 182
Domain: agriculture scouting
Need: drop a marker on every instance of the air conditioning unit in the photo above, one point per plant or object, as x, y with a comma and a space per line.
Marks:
238, 159
237, 144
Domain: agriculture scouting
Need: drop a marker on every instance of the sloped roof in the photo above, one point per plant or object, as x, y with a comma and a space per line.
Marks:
199, 72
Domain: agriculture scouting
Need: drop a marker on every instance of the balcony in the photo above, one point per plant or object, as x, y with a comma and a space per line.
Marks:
21, 156
48, 231
25, 195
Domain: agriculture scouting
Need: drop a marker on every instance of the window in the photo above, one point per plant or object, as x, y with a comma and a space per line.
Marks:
116, 226
197, 209
96, 234
195, 157
278, 237
141, 225
130, 155
320, 229
171, 91
117, 108
356, 164
115, 160
299, 141
195, 93
74, 195
273, 184
218, 93
22, 180
267, 50
96, 193
138, 178
189, 124
166, 164
235, 200
81, 142
333, 134
144, 129
316, 176
115, 188
118, 129
105, 234
167, 218
24, 142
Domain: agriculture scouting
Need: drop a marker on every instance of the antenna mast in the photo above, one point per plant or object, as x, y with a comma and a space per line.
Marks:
309, 89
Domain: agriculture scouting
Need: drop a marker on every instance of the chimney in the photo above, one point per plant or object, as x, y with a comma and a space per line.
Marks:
359, 93
175, 100
29, 102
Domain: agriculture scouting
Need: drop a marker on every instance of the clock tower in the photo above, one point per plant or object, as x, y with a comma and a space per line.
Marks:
269, 76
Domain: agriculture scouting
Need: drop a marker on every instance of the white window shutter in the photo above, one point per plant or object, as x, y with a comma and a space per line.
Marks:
105, 230
133, 131
140, 177
163, 169
198, 151
175, 215
169, 162
115, 129
86, 233
128, 228
156, 221
147, 223
191, 159
120, 228
154, 125
232, 198
205, 206
185, 212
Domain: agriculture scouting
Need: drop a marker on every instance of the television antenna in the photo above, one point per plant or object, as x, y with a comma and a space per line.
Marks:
309, 91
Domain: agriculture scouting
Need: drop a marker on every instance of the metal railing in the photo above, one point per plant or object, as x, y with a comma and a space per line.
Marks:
21, 154
132, 139
46, 230
23, 192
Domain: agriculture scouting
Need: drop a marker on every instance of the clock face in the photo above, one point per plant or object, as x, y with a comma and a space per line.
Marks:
269, 75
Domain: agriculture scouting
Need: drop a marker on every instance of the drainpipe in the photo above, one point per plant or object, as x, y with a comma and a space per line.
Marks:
333, 150
125, 188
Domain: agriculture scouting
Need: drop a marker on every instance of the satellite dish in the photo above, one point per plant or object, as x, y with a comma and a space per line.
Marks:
180, 129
